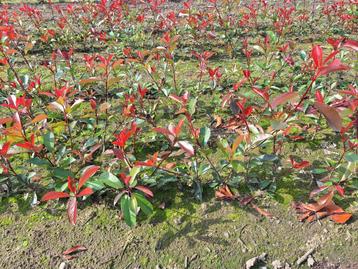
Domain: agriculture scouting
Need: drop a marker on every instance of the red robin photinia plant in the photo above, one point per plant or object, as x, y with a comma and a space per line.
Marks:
127, 99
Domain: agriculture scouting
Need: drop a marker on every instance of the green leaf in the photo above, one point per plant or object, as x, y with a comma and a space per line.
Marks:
166, 180
128, 214
49, 141
95, 185
351, 157
319, 171
192, 105
39, 162
144, 204
134, 172
203, 169
204, 135
259, 48
62, 173
134, 204
198, 191
303, 55
110, 180
273, 37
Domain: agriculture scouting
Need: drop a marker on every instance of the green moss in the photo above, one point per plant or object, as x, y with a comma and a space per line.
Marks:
39, 216
105, 217
45, 260
237, 215
144, 261
290, 189
6, 220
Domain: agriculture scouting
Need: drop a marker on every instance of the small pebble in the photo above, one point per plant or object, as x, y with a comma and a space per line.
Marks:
63, 265
310, 261
277, 264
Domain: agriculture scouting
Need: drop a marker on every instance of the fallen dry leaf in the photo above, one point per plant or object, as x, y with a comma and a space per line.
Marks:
262, 211
73, 252
323, 207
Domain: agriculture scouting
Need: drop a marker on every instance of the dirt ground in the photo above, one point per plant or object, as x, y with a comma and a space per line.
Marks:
184, 235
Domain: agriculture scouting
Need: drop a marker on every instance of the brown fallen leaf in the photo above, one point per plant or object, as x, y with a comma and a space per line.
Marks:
73, 252
323, 207
262, 211
224, 193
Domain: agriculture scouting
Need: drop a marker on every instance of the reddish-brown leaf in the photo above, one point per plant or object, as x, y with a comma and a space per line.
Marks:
74, 250
72, 210
326, 199
330, 113
340, 190
351, 44
318, 190
145, 190
283, 99
224, 193
341, 217
187, 147
85, 192
262, 211
39, 118
87, 173
299, 165
262, 93
335, 66
246, 200
317, 55
52, 195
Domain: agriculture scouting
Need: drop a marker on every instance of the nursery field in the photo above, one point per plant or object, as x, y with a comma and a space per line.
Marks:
179, 134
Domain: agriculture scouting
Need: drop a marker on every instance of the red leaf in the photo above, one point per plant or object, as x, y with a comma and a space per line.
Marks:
87, 173
317, 55
262, 212
85, 192
318, 190
246, 200
72, 210
176, 131
150, 163
145, 190
340, 190
52, 195
341, 217
187, 147
74, 249
71, 184
330, 113
5, 120
283, 98
319, 97
262, 93
224, 193
351, 44
125, 179
299, 165
335, 66
5, 149
326, 199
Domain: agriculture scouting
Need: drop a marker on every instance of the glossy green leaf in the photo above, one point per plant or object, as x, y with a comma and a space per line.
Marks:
129, 215
204, 135
143, 203
110, 180
49, 141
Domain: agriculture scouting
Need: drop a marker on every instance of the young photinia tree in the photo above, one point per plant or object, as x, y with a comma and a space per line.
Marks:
75, 191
